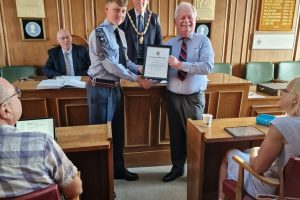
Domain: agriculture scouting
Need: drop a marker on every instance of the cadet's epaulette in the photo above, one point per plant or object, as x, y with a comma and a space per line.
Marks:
99, 31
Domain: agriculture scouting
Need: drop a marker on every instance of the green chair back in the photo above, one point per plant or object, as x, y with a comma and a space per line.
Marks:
288, 70
13, 73
260, 72
222, 68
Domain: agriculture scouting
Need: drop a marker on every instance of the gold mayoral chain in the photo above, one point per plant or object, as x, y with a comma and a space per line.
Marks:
141, 34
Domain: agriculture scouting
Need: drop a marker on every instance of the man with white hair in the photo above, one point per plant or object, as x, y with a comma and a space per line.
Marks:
67, 58
191, 60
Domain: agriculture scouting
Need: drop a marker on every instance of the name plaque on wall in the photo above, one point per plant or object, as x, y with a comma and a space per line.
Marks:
205, 10
277, 15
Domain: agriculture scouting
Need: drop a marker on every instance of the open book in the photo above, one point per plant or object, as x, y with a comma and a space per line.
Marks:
60, 83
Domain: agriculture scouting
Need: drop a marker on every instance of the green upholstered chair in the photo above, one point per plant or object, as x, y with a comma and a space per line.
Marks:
222, 68
260, 72
288, 70
13, 73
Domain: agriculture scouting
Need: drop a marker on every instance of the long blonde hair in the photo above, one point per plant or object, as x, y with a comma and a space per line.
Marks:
294, 98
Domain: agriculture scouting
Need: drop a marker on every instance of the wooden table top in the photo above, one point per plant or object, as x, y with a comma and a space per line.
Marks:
216, 132
83, 138
30, 85
221, 78
214, 79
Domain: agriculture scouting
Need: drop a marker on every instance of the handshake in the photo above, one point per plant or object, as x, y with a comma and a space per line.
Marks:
145, 83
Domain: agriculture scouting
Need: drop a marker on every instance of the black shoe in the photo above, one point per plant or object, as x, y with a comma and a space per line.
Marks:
173, 174
125, 174
115, 195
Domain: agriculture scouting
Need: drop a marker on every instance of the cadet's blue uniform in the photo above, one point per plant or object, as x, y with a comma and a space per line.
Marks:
105, 98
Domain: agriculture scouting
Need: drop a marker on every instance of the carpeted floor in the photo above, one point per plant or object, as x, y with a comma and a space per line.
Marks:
150, 187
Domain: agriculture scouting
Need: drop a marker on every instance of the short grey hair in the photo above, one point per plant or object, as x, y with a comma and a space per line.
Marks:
185, 5
3, 91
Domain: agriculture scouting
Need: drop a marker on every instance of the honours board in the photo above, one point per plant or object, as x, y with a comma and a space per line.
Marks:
277, 15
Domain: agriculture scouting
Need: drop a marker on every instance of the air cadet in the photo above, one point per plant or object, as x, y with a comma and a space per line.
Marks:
109, 63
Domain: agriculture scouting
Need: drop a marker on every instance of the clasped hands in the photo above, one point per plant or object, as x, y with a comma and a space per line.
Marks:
144, 83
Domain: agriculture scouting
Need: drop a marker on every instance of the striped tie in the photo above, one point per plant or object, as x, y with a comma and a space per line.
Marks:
182, 57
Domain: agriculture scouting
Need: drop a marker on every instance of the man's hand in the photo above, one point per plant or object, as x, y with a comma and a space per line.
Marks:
174, 62
145, 83
140, 69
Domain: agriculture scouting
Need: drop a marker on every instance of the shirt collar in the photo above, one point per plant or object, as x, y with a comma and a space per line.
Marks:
111, 27
137, 14
7, 128
69, 51
189, 37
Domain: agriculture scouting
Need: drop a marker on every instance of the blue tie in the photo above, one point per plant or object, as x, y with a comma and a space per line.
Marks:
140, 29
140, 23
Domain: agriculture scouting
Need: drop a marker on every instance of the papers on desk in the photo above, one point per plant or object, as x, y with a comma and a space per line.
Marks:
60, 83
78, 78
253, 95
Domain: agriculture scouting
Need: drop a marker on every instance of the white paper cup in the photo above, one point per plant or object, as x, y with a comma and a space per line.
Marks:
207, 119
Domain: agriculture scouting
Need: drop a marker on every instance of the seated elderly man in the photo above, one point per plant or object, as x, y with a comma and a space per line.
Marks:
67, 58
30, 160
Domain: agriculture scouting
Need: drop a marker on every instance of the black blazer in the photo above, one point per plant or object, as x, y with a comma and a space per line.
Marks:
55, 65
152, 36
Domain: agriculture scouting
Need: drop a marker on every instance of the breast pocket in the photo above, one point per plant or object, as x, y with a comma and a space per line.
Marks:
195, 55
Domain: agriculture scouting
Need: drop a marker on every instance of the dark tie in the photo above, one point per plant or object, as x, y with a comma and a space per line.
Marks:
182, 57
122, 58
140, 29
140, 23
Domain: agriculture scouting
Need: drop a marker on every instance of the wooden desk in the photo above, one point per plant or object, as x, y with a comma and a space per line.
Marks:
65, 105
206, 149
89, 148
267, 104
146, 127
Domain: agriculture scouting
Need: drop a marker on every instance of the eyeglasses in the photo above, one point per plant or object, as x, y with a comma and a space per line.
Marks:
65, 38
284, 91
17, 92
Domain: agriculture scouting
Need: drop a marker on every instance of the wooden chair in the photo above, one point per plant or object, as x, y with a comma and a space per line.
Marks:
260, 72
289, 186
222, 68
76, 39
49, 193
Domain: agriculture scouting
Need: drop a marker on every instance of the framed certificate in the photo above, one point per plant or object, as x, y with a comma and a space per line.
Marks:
156, 62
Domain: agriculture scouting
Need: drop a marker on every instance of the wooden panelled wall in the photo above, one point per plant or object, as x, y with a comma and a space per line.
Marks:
231, 31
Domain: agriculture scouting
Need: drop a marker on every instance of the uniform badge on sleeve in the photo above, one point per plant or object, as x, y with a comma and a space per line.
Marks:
102, 39
102, 43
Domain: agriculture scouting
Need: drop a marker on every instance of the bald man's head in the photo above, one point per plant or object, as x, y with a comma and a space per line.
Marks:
10, 104
64, 39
